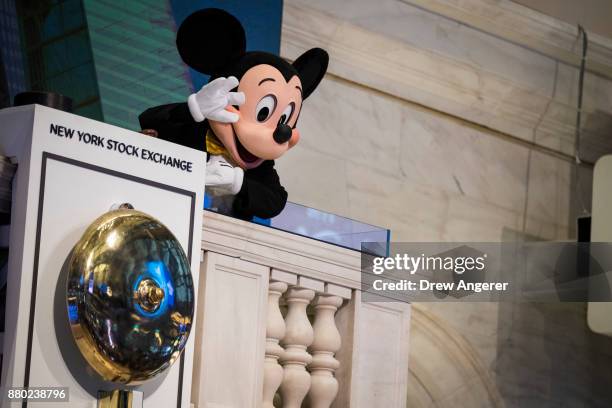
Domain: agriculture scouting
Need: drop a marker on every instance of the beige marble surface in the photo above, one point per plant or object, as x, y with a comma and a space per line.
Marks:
397, 48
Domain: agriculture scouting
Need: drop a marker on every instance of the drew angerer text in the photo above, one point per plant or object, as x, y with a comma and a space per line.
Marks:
424, 284
120, 147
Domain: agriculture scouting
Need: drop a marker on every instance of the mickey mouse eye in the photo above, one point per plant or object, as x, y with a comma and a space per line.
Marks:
286, 115
265, 108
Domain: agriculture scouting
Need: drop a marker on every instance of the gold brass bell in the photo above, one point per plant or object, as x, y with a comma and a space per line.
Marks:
130, 296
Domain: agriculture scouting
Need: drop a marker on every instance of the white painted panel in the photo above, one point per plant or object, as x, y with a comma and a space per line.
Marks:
230, 345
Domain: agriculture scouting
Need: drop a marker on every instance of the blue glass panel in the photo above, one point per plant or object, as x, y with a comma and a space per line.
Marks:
91, 110
51, 23
73, 16
62, 18
320, 225
78, 83
136, 61
69, 52
328, 227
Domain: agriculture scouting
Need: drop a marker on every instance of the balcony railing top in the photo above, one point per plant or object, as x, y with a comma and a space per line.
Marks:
281, 250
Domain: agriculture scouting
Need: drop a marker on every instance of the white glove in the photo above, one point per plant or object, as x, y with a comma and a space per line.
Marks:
223, 178
210, 101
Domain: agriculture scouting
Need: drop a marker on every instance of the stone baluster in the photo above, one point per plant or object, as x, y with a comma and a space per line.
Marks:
275, 331
298, 336
327, 341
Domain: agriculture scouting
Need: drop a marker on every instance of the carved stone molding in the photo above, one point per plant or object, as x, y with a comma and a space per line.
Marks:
281, 250
522, 25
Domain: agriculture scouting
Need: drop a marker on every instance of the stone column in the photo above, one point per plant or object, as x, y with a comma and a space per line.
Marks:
275, 331
298, 336
327, 341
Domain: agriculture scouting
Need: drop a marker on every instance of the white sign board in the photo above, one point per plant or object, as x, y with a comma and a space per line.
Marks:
70, 171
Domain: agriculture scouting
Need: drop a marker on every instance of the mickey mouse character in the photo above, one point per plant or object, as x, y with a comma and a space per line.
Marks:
245, 117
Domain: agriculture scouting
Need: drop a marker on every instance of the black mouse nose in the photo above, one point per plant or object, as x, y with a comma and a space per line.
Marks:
282, 133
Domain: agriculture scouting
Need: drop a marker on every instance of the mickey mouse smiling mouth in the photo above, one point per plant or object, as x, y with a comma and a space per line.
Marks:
244, 154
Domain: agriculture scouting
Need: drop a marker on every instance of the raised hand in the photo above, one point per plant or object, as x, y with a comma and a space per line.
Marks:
212, 99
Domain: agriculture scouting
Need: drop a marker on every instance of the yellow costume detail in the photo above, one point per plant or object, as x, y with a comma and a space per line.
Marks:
214, 147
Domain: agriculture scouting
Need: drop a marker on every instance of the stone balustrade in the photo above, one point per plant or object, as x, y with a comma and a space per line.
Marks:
327, 341
304, 350
281, 324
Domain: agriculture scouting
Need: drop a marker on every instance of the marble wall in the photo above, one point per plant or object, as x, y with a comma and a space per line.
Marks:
401, 49
388, 153
592, 14
425, 176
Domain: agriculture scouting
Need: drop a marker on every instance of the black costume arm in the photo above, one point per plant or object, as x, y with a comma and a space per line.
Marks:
261, 194
174, 123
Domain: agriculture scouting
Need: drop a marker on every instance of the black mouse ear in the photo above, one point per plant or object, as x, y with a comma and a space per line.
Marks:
209, 39
311, 67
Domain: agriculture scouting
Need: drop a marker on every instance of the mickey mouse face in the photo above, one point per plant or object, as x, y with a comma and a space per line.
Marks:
266, 128
212, 41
